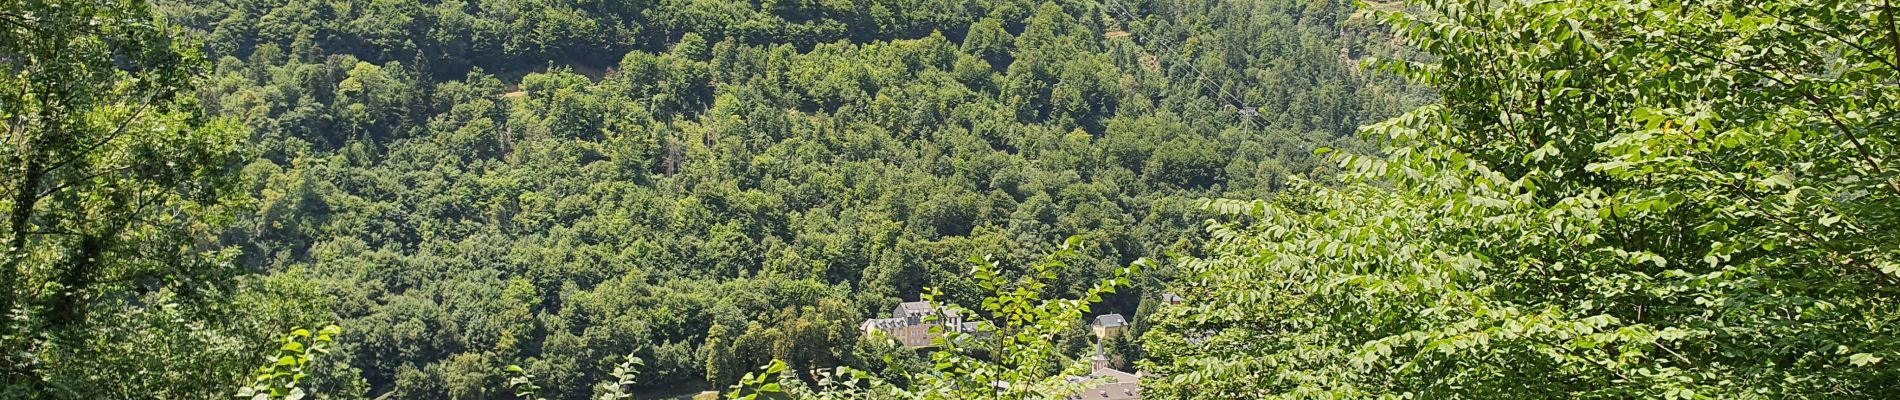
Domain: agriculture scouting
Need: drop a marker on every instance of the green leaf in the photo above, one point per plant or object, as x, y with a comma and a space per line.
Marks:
1863, 359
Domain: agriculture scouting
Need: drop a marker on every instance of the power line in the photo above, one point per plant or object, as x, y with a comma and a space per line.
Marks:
1163, 43
1206, 83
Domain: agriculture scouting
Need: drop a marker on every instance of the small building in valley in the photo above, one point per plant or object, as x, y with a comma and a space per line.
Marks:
1172, 299
1106, 325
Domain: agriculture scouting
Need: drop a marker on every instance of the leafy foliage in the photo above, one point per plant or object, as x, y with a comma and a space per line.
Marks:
522, 383
1671, 199
282, 372
111, 177
623, 378
1614, 199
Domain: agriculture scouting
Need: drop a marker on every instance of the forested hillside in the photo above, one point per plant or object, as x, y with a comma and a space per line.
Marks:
283, 199
708, 185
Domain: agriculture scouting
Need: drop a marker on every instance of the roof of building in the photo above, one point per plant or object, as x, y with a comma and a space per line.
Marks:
915, 306
883, 323
1110, 320
977, 326
1112, 375
1172, 298
1107, 383
922, 308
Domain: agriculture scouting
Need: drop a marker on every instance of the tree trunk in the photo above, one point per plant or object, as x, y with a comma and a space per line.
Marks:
24, 197
67, 307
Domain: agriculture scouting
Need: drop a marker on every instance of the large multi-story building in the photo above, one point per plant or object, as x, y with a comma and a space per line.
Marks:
910, 323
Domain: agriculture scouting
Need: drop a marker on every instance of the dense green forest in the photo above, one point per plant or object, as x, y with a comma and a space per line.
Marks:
709, 185
603, 199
